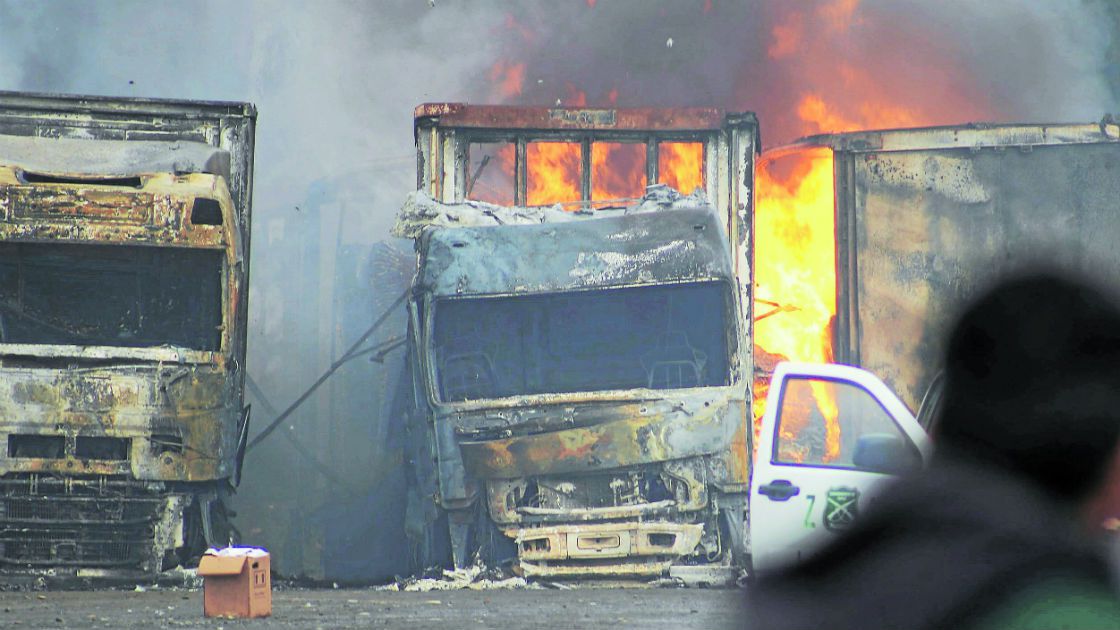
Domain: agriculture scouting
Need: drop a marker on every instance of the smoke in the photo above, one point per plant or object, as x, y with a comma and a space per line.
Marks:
808, 67
336, 82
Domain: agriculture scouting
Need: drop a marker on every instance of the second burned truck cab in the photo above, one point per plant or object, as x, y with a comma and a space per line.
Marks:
580, 342
582, 384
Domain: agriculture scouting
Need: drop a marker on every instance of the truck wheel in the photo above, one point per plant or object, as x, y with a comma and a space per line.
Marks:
221, 523
732, 525
475, 535
426, 528
495, 549
195, 544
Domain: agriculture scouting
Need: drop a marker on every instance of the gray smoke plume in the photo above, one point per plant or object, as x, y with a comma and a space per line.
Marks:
336, 82
945, 62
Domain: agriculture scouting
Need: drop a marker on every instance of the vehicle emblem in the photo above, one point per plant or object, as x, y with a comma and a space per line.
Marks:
840, 508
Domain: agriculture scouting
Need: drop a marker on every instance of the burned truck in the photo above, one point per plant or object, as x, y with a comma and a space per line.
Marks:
917, 219
124, 249
579, 356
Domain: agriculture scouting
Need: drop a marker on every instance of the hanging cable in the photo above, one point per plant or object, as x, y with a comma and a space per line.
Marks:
351, 352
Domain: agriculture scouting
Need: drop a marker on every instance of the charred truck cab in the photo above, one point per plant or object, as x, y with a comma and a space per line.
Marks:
123, 273
579, 371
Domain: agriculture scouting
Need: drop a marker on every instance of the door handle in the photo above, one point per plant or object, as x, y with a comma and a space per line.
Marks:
779, 490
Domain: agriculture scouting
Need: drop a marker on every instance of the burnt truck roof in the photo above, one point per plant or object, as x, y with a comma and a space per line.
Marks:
111, 158
512, 117
969, 136
675, 243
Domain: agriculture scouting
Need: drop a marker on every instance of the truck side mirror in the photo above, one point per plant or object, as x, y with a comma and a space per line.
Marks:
884, 453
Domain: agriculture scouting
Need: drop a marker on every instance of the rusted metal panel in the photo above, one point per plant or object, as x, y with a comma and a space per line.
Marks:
103, 205
977, 135
157, 213
179, 421
929, 226
646, 248
228, 125
644, 433
514, 117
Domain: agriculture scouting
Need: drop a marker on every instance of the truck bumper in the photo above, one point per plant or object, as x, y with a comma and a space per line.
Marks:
605, 549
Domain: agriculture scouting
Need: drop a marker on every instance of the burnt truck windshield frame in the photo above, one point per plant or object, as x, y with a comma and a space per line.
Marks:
111, 295
647, 337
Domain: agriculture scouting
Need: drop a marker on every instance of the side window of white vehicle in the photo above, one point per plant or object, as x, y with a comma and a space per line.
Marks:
838, 424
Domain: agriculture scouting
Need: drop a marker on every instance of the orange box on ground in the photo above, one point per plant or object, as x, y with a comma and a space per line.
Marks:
236, 582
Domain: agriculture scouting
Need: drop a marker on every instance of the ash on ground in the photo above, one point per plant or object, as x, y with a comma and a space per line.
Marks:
476, 577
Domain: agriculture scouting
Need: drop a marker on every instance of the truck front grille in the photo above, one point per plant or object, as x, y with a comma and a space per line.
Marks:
99, 522
601, 490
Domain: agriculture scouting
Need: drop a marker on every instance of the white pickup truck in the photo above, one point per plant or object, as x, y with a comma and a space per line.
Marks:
831, 436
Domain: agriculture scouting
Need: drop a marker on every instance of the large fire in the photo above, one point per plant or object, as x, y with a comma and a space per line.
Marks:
681, 165
795, 232
795, 272
618, 170
836, 77
795, 254
554, 171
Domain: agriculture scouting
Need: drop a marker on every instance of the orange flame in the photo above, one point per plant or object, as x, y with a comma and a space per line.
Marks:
795, 266
492, 181
574, 97
618, 170
553, 172
795, 254
795, 270
681, 165
809, 408
507, 78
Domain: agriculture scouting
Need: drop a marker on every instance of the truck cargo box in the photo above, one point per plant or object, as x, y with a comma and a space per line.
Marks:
924, 216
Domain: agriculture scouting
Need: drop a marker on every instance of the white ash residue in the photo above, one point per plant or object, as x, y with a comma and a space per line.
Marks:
421, 211
476, 578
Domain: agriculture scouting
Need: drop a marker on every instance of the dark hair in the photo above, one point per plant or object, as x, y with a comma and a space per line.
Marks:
1032, 382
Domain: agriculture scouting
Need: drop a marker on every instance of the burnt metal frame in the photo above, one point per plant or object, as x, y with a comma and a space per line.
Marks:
443, 164
652, 139
731, 140
460, 140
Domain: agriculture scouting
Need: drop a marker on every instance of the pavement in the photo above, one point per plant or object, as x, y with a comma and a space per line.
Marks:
591, 608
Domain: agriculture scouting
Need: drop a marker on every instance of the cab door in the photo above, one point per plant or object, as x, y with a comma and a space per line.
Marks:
831, 436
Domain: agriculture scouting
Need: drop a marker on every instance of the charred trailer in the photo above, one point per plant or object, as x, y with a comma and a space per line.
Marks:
579, 349
921, 218
124, 250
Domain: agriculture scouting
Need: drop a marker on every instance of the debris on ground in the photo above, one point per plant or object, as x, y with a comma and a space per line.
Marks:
180, 577
476, 577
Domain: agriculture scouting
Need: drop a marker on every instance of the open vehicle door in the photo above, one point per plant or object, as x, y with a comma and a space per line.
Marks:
831, 436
